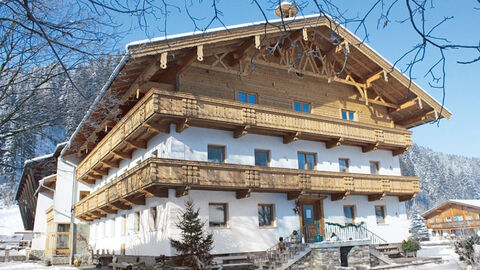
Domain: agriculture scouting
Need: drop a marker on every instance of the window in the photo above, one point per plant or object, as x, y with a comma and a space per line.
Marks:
84, 194
349, 213
63, 236
216, 153
374, 167
247, 97
124, 224
137, 221
262, 158
458, 218
448, 219
380, 213
153, 218
301, 107
217, 214
348, 115
439, 220
343, 163
468, 217
265, 215
306, 161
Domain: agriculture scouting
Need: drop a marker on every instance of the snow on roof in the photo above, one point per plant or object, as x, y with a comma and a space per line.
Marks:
475, 203
38, 158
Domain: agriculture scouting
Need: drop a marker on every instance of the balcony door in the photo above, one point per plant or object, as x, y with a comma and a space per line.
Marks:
311, 217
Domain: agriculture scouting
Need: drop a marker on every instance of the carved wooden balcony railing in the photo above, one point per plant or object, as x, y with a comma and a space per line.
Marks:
154, 176
158, 109
464, 224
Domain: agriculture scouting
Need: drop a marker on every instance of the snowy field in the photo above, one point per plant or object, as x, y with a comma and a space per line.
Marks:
31, 266
450, 259
10, 220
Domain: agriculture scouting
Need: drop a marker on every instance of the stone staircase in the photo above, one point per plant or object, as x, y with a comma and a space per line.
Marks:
277, 258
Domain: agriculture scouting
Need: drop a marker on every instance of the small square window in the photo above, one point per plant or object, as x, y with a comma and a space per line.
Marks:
265, 215
348, 115
247, 97
348, 211
216, 153
343, 164
374, 167
63, 228
262, 158
439, 220
301, 107
458, 218
217, 214
380, 213
448, 219
306, 161
468, 217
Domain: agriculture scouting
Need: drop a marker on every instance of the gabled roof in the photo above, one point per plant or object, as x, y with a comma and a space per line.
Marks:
409, 105
469, 204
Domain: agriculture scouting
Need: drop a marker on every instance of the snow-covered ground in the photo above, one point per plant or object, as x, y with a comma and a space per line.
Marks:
450, 259
32, 266
10, 220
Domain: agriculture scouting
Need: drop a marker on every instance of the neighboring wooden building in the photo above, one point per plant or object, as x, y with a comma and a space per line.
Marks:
453, 217
27, 192
258, 127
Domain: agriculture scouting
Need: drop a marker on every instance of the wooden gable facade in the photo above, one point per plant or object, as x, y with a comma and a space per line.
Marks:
453, 215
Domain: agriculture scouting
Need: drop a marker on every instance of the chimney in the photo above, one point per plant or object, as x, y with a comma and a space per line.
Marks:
288, 10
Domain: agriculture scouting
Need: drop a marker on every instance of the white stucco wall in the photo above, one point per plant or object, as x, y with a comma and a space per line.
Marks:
242, 234
192, 144
64, 196
44, 201
395, 228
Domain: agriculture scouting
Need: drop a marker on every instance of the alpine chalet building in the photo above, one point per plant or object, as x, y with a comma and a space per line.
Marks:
267, 131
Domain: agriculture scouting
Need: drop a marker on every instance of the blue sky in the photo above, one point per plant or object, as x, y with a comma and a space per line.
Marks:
460, 135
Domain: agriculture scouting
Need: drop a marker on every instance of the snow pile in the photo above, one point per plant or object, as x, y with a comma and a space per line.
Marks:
31, 266
10, 220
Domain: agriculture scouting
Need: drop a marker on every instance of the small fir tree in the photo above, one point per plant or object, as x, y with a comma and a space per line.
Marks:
194, 245
418, 228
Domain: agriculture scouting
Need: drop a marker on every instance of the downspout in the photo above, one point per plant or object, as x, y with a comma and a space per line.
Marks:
72, 209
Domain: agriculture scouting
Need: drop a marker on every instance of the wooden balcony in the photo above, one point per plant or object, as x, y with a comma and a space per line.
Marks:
154, 176
159, 108
455, 225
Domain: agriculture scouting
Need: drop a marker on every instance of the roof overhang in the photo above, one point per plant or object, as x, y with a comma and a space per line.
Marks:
448, 204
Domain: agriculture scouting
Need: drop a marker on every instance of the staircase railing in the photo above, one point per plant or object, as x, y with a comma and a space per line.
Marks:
352, 232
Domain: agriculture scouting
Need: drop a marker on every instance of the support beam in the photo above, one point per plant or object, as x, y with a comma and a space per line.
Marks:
186, 61
239, 132
235, 57
200, 53
135, 199
157, 128
291, 137
139, 144
120, 205
122, 155
95, 176
334, 142
376, 197
243, 193
181, 125
110, 164
181, 191
399, 151
370, 147
339, 196
89, 180
380, 74
293, 195
156, 191
407, 197
100, 171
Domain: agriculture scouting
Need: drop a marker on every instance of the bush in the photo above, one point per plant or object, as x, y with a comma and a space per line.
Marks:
465, 248
411, 245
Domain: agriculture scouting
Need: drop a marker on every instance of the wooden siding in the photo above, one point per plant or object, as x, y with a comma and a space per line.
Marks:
159, 108
184, 175
438, 219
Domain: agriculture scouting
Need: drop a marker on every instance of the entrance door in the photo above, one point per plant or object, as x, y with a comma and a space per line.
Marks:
311, 219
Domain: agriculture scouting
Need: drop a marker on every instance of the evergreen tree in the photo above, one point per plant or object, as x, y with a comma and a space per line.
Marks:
194, 245
418, 228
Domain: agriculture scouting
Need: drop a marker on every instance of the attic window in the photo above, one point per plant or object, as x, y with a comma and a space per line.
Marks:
301, 107
348, 115
247, 97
